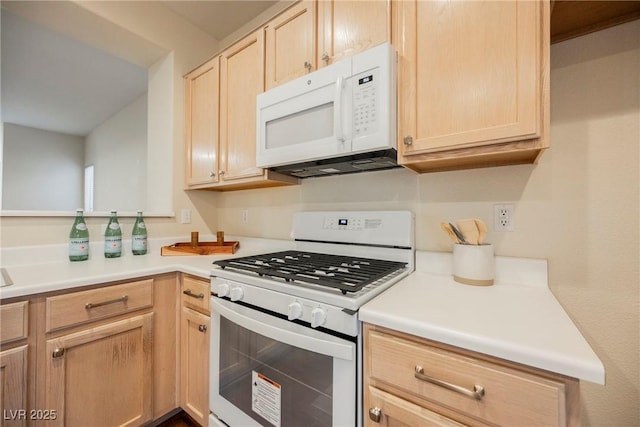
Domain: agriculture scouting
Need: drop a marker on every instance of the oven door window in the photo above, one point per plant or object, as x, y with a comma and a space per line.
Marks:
271, 372
261, 376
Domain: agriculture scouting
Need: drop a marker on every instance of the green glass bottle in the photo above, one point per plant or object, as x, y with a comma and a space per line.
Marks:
139, 236
113, 237
79, 239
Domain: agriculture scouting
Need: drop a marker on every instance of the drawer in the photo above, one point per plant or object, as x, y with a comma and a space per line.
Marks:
196, 293
14, 321
511, 397
88, 306
397, 412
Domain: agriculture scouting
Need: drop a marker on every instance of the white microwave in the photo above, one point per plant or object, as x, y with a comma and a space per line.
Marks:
339, 119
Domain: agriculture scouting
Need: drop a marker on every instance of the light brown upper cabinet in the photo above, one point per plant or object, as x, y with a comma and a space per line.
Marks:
348, 27
221, 120
313, 34
473, 83
290, 41
202, 87
241, 80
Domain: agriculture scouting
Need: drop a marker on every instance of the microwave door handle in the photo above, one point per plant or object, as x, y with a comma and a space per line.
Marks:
337, 111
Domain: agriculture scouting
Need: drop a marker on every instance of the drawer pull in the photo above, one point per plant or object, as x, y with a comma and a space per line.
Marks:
375, 414
89, 305
192, 295
477, 392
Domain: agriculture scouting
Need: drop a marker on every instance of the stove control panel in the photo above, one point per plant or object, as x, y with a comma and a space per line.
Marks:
344, 224
380, 228
294, 308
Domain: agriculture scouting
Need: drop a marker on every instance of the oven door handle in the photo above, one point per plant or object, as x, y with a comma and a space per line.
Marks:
283, 331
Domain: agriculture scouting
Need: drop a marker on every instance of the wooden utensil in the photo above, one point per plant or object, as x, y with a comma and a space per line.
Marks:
469, 230
482, 230
449, 231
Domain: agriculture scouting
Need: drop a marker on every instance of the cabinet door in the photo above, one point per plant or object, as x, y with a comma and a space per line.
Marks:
290, 41
194, 345
201, 123
348, 27
241, 80
469, 73
384, 409
13, 385
102, 376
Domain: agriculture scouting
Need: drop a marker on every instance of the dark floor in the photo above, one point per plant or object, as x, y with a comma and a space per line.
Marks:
181, 419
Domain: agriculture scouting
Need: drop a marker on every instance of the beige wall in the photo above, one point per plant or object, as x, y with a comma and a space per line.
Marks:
578, 208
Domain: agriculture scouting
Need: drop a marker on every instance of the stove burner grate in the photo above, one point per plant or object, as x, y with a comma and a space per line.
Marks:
346, 273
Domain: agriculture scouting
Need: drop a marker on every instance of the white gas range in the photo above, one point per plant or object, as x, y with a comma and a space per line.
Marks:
286, 347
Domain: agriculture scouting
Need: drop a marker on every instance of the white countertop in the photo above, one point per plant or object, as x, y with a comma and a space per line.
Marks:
517, 319
39, 269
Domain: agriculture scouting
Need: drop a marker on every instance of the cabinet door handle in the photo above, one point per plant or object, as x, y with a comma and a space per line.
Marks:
90, 305
192, 295
212, 174
477, 392
325, 57
408, 140
202, 328
375, 414
58, 352
308, 66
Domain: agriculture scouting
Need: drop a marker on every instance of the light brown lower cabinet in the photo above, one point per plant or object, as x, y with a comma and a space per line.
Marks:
194, 390
13, 386
412, 381
194, 348
102, 375
124, 353
103, 355
15, 350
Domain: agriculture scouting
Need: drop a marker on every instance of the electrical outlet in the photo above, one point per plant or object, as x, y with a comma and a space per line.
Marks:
186, 216
245, 216
503, 217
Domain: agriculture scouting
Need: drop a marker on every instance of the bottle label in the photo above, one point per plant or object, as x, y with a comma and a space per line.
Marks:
79, 246
114, 226
139, 242
112, 244
82, 226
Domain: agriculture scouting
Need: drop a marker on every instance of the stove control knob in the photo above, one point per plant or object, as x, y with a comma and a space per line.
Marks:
318, 317
222, 289
236, 293
295, 310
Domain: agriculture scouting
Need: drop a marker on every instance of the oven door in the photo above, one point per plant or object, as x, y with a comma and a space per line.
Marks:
269, 371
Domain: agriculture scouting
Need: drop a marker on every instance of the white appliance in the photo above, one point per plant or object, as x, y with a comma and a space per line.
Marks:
286, 347
339, 119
